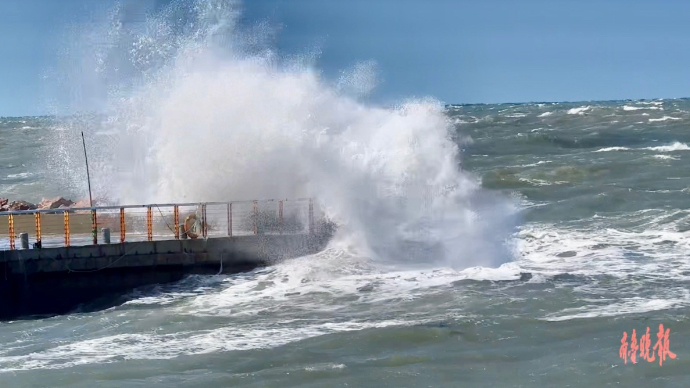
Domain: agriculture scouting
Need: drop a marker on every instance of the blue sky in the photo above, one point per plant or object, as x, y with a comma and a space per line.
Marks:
457, 51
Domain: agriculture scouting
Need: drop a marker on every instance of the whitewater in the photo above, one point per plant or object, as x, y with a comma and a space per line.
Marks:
477, 245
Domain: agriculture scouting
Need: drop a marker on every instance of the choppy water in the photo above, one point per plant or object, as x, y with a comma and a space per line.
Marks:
601, 249
22, 146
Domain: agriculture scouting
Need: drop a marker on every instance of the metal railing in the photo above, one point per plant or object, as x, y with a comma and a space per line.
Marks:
80, 226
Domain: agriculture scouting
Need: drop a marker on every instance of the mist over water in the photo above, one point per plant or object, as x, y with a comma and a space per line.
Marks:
202, 109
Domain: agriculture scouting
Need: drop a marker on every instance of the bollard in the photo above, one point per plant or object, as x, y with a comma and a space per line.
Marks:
105, 232
24, 238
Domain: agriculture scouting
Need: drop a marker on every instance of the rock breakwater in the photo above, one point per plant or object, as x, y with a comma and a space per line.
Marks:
54, 203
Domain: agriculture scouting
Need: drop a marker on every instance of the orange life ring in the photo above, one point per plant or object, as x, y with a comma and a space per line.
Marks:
189, 224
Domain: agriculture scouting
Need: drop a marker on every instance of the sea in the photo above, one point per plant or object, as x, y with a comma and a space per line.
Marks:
505, 245
600, 238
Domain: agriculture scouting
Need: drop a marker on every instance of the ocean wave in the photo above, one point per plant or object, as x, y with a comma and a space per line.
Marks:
545, 114
629, 108
332, 146
606, 251
665, 157
579, 111
634, 108
247, 301
536, 182
539, 163
607, 149
633, 305
676, 146
155, 346
20, 175
577, 140
665, 118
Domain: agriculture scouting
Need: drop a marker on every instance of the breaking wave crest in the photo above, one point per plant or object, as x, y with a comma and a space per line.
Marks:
203, 109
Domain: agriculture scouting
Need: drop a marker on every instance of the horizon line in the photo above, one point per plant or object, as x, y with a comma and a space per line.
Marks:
445, 105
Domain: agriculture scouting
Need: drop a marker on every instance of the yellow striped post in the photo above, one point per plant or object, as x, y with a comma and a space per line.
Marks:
149, 223
176, 214
10, 220
66, 218
38, 227
94, 227
123, 228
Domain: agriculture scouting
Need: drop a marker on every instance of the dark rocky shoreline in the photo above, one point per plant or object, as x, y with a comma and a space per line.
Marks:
54, 203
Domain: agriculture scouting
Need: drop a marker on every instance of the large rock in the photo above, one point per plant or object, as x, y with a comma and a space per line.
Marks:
4, 206
55, 203
21, 205
81, 203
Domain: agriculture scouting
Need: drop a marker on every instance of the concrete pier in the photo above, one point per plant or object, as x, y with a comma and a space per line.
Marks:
57, 280
68, 267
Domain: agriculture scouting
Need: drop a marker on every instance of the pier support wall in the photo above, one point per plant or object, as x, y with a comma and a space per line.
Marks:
58, 280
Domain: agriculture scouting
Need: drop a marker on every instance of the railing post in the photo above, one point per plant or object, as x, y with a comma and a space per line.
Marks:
230, 219
204, 230
37, 216
65, 215
280, 216
311, 216
10, 220
94, 226
123, 227
149, 223
256, 217
176, 215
